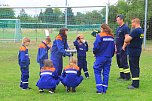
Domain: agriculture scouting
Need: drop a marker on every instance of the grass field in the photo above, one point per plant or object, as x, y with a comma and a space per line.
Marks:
10, 78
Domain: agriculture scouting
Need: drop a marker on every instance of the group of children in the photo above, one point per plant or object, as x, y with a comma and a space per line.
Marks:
49, 76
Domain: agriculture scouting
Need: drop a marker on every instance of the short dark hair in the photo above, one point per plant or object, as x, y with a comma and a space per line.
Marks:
121, 16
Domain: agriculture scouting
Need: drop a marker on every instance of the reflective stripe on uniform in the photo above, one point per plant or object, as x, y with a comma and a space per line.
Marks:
71, 72
126, 70
105, 85
43, 73
120, 69
99, 84
135, 78
24, 82
86, 72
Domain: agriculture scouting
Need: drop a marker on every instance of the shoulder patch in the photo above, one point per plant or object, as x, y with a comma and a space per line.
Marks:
42, 45
22, 48
58, 37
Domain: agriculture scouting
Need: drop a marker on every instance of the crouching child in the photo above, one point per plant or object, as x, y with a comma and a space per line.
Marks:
71, 76
48, 77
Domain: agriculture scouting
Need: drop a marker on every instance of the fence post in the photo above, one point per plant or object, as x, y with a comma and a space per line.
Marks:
145, 23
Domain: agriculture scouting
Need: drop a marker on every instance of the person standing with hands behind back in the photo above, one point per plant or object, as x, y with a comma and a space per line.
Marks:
82, 47
135, 40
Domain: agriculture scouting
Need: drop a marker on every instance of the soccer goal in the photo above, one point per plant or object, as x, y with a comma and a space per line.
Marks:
10, 30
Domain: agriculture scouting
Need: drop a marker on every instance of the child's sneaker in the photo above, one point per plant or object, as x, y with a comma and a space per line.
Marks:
73, 90
41, 90
67, 89
98, 92
51, 91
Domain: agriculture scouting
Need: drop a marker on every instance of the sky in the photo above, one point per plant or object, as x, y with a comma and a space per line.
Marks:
61, 3
56, 2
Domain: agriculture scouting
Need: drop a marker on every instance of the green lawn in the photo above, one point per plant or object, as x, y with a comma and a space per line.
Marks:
10, 78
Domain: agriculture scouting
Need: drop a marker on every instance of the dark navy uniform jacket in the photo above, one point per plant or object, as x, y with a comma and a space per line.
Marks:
23, 57
120, 36
81, 49
135, 46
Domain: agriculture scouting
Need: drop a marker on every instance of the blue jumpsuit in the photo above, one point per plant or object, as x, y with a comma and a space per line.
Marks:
121, 54
134, 50
103, 50
58, 50
81, 55
42, 53
48, 80
24, 62
71, 76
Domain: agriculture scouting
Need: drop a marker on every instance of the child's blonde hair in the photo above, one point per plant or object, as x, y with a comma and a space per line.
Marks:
25, 39
48, 63
72, 61
80, 36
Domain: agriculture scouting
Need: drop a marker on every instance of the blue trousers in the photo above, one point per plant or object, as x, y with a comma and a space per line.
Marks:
135, 70
82, 63
101, 72
58, 65
24, 77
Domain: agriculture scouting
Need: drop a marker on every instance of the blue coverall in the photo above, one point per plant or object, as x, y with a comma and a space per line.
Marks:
24, 62
71, 76
81, 55
103, 50
49, 79
42, 53
58, 51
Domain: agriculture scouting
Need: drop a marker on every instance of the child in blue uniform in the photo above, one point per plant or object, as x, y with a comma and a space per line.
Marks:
81, 47
103, 50
24, 62
49, 78
58, 50
43, 51
71, 76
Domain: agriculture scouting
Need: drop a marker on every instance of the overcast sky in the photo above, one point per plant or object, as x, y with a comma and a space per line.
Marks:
56, 2
25, 3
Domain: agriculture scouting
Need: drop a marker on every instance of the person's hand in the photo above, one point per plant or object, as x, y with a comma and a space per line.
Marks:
84, 41
123, 48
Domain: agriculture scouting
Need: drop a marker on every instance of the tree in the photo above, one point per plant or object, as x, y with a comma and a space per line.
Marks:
49, 16
57, 15
41, 17
70, 16
7, 13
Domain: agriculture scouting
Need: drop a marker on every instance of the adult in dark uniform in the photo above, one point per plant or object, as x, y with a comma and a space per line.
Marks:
121, 53
135, 40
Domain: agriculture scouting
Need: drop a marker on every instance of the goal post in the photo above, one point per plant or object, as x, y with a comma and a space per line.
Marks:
10, 30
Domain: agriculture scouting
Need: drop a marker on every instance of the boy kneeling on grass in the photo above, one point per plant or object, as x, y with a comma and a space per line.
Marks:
24, 62
71, 76
48, 77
